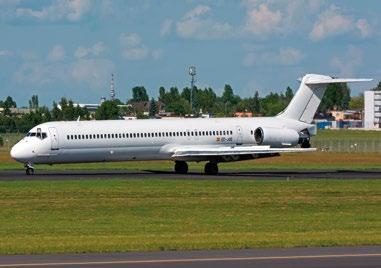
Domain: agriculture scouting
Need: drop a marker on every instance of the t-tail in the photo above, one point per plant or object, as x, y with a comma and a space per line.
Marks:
311, 91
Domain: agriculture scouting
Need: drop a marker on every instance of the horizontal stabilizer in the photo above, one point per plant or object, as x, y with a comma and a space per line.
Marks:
314, 81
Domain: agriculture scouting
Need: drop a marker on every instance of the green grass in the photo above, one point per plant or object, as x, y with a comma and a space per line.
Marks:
347, 134
130, 215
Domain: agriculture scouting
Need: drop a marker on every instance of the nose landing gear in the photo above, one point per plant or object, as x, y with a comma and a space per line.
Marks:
29, 169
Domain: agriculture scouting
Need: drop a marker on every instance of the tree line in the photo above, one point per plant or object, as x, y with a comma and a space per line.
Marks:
175, 101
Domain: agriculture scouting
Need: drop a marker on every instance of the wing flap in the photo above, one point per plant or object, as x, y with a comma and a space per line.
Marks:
193, 151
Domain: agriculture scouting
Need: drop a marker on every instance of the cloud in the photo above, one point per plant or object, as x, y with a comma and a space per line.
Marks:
6, 53
263, 20
197, 11
284, 56
364, 28
40, 73
57, 53
130, 40
135, 53
166, 27
71, 10
94, 72
331, 22
134, 49
349, 62
157, 53
95, 50
195, 25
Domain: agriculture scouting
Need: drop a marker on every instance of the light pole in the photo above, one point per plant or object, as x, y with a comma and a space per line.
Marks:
192, 73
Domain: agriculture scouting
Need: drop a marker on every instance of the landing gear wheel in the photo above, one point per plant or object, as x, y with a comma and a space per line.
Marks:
29, 171
181, 167
306, 144
211, 168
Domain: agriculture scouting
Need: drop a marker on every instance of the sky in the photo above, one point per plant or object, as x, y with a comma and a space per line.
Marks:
70, 48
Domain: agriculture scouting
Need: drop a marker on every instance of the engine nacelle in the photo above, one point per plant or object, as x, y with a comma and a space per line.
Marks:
276, 137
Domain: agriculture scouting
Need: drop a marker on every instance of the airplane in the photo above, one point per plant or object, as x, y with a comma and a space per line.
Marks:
182, 140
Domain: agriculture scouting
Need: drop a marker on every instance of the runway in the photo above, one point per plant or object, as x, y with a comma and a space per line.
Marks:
224, 175
283, 258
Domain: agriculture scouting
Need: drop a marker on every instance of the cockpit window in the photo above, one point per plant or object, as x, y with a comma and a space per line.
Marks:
41, 135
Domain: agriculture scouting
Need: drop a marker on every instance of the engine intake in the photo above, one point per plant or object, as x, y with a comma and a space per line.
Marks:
276, 137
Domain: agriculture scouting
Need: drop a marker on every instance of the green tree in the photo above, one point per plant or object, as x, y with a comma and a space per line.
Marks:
1, 141
357, 102
378, 87
108, 110
152, 108
289, 94
56, 112
33, 102
337, 96
161, 93
139, 94
256, 103
7, 104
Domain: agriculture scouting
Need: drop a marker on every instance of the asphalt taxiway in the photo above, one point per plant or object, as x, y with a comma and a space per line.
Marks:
152, 174
338, 257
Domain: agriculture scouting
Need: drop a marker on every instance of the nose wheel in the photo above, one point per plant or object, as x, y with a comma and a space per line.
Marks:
29, 170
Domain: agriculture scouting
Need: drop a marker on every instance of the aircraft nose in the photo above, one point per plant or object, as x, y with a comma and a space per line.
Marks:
19, 153
15, 152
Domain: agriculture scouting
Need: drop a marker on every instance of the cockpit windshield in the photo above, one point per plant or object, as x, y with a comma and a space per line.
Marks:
40, 135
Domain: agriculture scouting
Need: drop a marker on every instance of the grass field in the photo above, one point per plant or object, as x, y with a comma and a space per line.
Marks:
120, 215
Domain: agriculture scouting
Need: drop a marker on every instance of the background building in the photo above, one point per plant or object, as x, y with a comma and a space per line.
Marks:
372, 104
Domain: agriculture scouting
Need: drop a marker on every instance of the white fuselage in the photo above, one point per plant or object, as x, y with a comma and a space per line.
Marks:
123, 140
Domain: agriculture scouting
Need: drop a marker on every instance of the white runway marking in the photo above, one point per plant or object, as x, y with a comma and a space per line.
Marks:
190, 260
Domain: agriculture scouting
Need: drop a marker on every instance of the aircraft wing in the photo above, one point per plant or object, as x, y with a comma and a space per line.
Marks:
198, 151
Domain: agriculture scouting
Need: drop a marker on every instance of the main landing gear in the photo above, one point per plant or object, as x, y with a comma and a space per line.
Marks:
211, 168
29, 169
181, 167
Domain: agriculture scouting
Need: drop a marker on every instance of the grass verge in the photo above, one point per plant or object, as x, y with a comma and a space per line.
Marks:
129, 215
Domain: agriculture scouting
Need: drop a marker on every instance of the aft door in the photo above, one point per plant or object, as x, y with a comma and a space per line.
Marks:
239, 135
53, 138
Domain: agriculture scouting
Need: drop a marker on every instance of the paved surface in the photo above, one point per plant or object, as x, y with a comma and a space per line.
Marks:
338, 257
125, 174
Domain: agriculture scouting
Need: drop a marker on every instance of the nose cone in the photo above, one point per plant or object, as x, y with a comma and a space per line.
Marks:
21, 153
16, 153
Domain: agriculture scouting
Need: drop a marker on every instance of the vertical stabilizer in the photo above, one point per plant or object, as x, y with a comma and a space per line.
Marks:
309, 95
